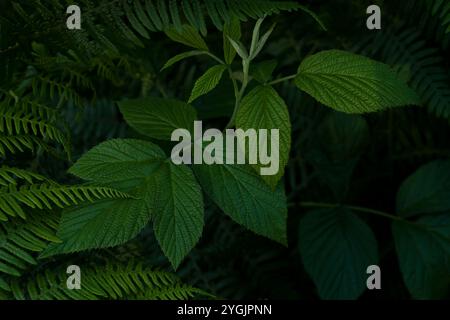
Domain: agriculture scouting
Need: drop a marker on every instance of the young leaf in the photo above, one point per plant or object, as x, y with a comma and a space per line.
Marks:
263, 108
241, 194
427, 190
178, 211
336, 249
207, 82
180, 57
261, 43
351, 83
232, 30
255, 36
156, 117
187, 36
239, 47
424, 255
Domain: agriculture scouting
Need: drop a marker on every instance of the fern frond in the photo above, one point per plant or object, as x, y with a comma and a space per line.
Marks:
21, 239
17, 143
158, 15
441, 9
9, 175
44, 87
113, 281
50, 195
16, 121
416, 63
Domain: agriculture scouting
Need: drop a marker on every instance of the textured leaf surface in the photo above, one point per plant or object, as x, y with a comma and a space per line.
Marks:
263, 108
207, 81
351, 83
100, 225
125, 164
336, 249
243, 196
424, 255
178, 211
165, 193
427, 190
117, 160
156, 117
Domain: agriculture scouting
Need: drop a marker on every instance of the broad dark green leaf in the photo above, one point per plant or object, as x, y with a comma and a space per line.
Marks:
263, 108
156, 117
178, 210
427, 190
336, 248
243, 196
165, 193
124, 164
99, 225
423, 250
351, 83
117, 160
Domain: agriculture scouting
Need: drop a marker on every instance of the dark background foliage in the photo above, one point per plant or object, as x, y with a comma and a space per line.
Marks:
332, 160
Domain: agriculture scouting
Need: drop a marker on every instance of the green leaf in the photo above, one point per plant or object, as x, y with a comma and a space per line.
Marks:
99, 225
351, 83
232, 30
156, 117
126, 164
178, 207
180, 57
239, 48
187, 36
262, 71
118, 160
336, 249
207, 82
242, 195
424, 255
255, 37
263, 108
166, 193
261, 42
426, 191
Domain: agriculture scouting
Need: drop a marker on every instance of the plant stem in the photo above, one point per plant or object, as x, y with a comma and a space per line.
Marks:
233, 80
282, 79
246, 68
214, 57
354, 208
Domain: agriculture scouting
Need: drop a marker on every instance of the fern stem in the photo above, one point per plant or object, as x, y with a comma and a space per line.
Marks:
350, 207
282, 79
